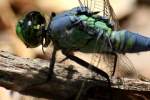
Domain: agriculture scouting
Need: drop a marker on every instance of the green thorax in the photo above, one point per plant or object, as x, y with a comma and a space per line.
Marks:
96, 44
95, 23
84, 41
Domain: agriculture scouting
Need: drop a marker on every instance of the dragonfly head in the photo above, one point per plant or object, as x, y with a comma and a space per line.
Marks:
31, 30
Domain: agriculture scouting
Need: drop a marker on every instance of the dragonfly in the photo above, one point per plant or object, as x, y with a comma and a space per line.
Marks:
89, 28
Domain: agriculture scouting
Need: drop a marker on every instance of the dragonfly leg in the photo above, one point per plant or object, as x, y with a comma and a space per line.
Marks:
50, 73
115, 63
89, 66
52, 63
64, 59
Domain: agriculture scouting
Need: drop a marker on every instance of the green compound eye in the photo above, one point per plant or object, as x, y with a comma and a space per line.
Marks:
30, 29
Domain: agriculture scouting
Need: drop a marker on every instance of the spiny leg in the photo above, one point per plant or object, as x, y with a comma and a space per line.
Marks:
115, 63
52, 63
64, 59
53, 57
115, 55
91, 67
50, 73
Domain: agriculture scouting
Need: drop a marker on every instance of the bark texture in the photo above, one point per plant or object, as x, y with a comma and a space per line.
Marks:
28, 76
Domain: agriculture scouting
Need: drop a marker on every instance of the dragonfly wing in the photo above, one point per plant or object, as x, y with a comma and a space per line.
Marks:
104, 8
109, 12
124, 67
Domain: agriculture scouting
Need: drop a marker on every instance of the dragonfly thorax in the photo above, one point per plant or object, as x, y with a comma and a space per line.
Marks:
72, 31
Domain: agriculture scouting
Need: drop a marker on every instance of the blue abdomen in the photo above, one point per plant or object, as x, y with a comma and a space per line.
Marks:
128, 42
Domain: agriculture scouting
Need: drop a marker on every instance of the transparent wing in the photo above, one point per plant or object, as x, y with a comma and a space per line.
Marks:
105, 61
124, 67
103, 7
108, 11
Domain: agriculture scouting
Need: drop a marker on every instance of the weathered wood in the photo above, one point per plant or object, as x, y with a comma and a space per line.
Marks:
28, 76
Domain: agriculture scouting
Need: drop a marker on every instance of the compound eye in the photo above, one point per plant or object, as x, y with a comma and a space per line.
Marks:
35, 19
30, 29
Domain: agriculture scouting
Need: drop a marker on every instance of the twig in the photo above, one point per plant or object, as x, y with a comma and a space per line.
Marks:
27, 76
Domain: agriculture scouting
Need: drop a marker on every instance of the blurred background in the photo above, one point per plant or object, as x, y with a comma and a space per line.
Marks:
133, 15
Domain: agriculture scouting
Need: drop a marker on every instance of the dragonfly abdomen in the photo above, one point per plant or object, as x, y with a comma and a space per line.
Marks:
128, 42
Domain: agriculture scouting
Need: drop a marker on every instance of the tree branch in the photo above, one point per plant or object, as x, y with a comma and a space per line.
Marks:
28, 76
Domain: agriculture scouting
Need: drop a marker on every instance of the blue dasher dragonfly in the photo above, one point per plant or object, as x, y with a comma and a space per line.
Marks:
89, 28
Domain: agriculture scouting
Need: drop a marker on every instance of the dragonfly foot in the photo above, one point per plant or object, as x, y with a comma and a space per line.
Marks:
49, 77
